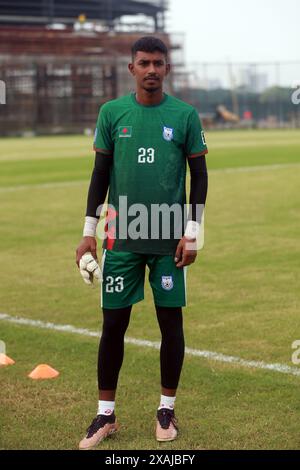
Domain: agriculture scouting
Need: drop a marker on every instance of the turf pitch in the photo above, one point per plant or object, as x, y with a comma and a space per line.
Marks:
243, 295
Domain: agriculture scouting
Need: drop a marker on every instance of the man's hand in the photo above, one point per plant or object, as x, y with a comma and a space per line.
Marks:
89, 269
86, 244
86, 260
186, 252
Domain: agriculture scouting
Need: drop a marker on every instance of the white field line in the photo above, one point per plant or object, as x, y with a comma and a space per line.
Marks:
252, 143
59, 184
249, 169
62, 184
214, 356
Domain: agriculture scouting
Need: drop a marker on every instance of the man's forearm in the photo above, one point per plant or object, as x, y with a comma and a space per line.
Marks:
97, 192
198, 192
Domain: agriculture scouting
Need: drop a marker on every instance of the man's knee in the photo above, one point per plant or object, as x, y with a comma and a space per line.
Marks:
115, 321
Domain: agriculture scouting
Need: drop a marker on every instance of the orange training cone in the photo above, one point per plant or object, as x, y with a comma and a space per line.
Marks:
43, 371
5, 360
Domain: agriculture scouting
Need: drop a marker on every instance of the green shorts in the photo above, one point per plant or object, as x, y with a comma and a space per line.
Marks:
124, 277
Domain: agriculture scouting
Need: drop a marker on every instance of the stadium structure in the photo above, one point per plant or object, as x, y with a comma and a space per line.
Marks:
61, 60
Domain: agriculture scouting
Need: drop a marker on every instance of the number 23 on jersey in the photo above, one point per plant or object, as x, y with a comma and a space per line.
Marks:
146, 155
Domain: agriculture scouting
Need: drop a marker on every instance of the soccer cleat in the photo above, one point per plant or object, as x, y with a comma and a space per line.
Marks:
101, 427
166, 425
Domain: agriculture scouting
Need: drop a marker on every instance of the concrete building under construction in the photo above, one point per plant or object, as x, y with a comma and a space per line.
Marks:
61, 60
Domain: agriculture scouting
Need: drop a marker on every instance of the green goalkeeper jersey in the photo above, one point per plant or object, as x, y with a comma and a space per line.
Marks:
149, 146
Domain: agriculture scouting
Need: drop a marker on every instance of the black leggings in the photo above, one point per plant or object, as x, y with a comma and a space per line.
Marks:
111, 348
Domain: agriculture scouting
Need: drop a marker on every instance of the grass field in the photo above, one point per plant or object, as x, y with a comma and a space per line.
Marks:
243, 294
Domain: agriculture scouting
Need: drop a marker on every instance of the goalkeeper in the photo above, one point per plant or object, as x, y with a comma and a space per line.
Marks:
142, 143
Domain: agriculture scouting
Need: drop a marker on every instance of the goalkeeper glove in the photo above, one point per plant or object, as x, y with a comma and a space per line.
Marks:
89, 269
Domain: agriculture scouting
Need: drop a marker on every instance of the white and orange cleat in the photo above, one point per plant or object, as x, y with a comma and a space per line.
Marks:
166, 425
101, 427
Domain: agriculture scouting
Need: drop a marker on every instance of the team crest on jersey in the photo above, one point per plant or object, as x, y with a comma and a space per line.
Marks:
167, 282
168, 133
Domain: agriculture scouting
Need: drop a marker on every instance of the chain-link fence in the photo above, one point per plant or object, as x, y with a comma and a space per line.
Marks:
243, 94
49, 94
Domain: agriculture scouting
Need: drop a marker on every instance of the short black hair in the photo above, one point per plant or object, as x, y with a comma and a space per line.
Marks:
149, 44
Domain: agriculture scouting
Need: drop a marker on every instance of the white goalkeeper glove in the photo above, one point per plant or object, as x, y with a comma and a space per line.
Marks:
89, 269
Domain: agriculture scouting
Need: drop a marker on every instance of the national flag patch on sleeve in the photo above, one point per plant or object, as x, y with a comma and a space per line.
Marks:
125, 131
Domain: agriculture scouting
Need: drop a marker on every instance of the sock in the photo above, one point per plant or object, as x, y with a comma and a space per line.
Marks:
167, 402
105, 407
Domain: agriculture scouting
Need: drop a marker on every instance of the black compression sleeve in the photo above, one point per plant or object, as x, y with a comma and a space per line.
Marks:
99, 183
111, 347
199, 184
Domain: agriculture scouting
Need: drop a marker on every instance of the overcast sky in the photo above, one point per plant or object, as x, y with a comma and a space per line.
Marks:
238, 30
